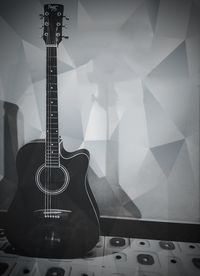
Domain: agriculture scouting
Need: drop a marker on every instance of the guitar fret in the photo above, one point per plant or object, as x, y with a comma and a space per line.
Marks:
51, 78
49, 130
50, 157
54, 162
52, 165
52, 146
52, 108
56, 165
54, 128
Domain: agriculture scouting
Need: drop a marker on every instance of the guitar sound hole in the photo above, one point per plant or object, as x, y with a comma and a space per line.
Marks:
52, 180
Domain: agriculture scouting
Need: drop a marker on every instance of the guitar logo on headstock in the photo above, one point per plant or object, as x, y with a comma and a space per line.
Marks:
53, 7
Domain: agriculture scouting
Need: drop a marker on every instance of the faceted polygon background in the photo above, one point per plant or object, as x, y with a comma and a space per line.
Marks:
128, 92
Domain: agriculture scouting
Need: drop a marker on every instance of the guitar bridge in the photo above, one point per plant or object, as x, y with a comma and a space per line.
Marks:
52, 213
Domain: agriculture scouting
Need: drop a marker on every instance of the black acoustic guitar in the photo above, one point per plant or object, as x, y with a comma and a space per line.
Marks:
54, 213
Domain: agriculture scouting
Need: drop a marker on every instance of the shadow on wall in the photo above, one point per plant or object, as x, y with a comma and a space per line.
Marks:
9, 146
112, 200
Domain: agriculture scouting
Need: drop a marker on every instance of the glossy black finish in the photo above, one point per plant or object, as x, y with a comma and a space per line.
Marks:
73, 233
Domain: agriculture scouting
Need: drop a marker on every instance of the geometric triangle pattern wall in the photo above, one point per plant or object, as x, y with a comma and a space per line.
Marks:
128, 92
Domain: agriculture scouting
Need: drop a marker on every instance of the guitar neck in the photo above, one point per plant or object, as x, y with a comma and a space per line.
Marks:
52, 131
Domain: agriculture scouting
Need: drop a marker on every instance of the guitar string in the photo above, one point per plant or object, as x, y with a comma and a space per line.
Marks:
49, 151
49, 128
47, 137
50, 134
48, 123
54, 64
47, 154
56, 77
46, 146
50, 156
49, 131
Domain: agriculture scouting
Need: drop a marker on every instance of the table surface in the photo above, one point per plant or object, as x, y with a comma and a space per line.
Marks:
115, 256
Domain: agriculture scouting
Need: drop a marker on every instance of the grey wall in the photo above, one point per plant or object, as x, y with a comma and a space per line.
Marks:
128, 91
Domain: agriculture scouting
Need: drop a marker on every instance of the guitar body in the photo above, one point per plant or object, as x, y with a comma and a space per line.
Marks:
54, 213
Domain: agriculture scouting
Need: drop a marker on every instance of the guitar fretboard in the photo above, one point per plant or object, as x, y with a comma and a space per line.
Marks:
52, 135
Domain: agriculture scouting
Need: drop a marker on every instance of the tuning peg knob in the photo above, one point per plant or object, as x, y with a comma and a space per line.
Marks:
67, 18
41, 16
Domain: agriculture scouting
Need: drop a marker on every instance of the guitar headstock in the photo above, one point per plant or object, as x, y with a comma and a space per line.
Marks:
53, 24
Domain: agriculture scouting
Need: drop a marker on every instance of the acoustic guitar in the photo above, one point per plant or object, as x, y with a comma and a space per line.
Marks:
54, 213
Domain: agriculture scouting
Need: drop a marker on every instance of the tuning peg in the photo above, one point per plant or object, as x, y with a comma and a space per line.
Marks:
41, 16
67, 18
65, 37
